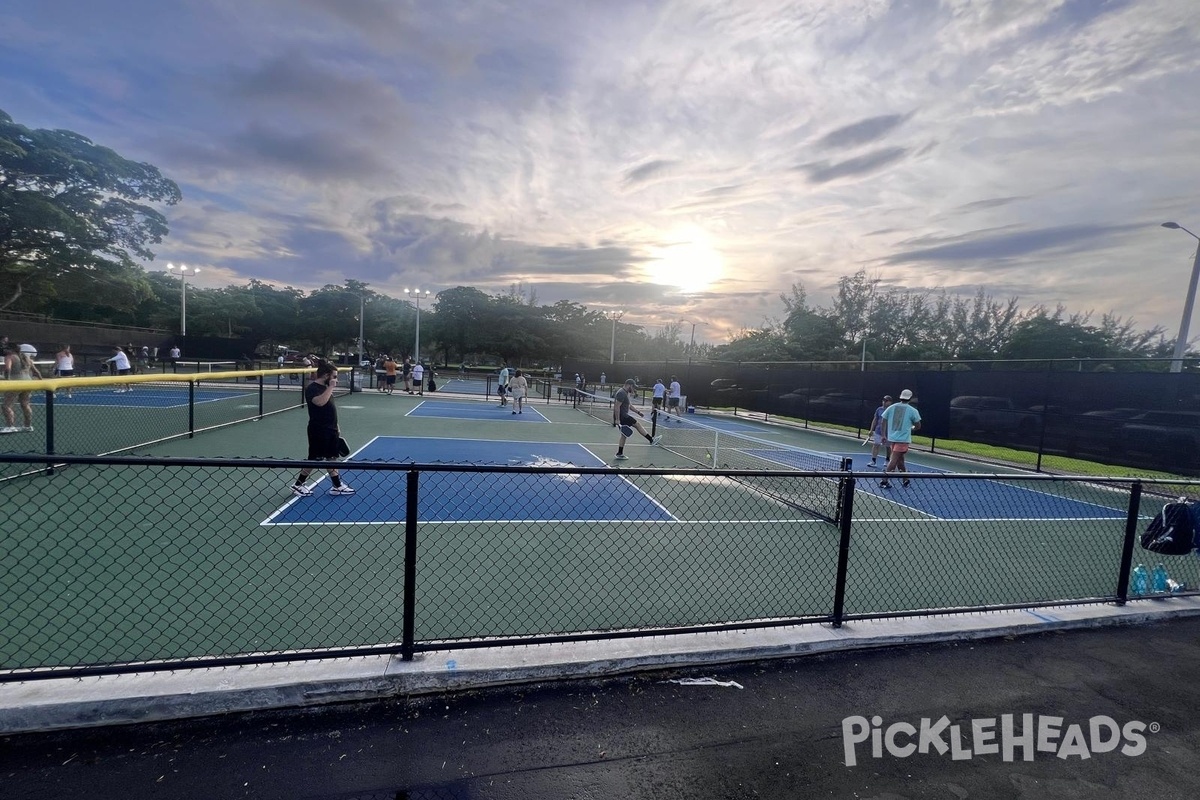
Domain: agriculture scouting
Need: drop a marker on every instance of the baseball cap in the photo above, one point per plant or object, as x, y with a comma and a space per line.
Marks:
906, 394
28, 348
887, 397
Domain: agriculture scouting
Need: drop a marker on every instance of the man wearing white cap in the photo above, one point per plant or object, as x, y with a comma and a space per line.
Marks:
899, 422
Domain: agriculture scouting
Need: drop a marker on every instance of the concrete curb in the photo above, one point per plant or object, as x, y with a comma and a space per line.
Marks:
144, 697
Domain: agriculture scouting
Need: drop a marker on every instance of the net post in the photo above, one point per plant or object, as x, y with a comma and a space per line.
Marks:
654, 422
50, 428
410, 569
1131, 522
261, 380
191, 409
845, 517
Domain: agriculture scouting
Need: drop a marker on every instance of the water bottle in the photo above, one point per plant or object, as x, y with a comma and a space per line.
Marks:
1138, 581
1158, 580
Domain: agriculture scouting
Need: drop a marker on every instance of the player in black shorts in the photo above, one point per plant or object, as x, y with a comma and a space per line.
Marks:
623, 417
323, 434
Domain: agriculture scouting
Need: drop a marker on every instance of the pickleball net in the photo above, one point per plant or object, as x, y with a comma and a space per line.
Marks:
819, 495
594, 405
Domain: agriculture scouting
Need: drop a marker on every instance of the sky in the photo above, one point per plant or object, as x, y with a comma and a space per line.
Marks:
678, 162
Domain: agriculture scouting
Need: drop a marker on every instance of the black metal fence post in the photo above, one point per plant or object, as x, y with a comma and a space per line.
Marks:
410, 569
50, 428
845, 519
1131, 524
191, 409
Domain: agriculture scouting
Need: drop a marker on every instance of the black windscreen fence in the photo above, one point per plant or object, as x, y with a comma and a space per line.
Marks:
1144, 420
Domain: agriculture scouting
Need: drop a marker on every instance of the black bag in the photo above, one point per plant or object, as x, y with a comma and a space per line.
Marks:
432, 385
1171, 532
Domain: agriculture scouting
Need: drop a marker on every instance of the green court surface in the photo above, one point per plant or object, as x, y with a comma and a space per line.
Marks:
116, 564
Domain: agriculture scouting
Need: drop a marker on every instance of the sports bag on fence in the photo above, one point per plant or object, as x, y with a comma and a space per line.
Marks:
1172, 531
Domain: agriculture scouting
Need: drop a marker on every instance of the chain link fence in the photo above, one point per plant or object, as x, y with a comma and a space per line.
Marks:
113, 564
98, 416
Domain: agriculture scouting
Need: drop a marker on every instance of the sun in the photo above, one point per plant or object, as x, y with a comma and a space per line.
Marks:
690, 263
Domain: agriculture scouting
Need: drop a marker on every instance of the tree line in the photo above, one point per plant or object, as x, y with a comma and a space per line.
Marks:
76, 219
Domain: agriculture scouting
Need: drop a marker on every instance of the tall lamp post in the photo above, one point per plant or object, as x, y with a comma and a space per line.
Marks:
362, 307
1181, 341
417, 293
612, 347
183, 271
692, 341
862, 363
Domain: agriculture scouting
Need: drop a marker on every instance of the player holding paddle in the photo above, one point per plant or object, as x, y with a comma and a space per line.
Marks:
624, 420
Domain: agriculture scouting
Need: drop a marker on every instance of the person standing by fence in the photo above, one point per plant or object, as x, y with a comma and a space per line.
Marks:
19, 366
900, 420
418, 377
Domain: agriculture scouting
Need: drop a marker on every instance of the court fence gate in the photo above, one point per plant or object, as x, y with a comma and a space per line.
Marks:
118, 564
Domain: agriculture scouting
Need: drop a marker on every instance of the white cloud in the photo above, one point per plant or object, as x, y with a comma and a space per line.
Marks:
566, 143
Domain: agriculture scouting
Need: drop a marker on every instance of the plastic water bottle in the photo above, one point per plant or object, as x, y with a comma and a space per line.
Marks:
1158, 580
1138, 582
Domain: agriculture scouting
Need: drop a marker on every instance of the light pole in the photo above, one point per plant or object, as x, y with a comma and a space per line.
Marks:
867, 325
417, 293
612, 347
692, 341
183, 271
362, 305
1181, 341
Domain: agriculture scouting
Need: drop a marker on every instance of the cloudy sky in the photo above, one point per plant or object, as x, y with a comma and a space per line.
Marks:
675, 159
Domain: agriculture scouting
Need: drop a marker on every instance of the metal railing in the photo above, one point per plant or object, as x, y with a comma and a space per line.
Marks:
118, 564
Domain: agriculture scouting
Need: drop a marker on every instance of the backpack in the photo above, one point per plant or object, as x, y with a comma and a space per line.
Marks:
432, 385
1172, 531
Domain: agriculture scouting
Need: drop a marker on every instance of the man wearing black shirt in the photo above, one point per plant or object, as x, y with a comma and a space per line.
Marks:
323, 434
623, 418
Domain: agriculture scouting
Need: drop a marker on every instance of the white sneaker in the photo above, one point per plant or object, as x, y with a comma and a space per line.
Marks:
26, 428
343, 489
620, 457
9, 429
657, 440
300, 490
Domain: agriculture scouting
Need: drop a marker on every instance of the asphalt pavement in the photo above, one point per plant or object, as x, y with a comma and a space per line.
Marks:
1098, 713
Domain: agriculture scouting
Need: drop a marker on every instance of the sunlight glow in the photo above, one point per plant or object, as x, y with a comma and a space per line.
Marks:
690, 263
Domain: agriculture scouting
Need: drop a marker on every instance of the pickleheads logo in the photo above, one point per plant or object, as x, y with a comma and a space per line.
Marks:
1029, 735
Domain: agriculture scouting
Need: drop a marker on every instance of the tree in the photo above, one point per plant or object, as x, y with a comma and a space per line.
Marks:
69, 207
462, 321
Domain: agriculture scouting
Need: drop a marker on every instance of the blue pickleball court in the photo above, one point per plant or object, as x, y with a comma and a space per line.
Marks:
453, 497
474, 410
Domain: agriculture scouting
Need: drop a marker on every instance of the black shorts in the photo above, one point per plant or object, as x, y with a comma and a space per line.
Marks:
322, 444
658, 402
500, 390
66, 373
124, 371
672, 402
627, 419
391, 380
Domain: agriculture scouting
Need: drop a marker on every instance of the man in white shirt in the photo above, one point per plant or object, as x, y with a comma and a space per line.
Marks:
502, 385
418, 373
660, 394
673, 396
